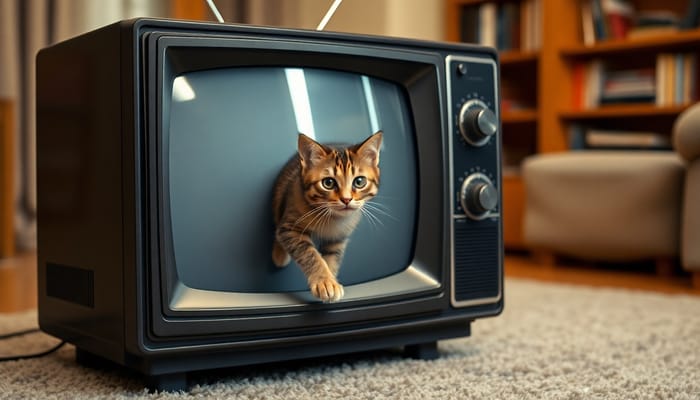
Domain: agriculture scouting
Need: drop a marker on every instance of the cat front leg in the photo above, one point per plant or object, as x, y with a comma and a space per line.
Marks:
321, 279
279, 255
333, 253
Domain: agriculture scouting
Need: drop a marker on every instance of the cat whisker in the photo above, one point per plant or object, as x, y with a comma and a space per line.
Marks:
305, 215
371, 218
317, 213
377, 204
327, 218
379, 208
310, 212
314, 215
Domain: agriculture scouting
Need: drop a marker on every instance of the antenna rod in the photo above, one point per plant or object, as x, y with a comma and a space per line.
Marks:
215, 10
328, 15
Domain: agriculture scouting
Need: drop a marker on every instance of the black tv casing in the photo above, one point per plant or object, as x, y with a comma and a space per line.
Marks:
104, 281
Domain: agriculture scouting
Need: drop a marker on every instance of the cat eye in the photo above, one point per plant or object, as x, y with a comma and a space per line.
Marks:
328, 183
359, 182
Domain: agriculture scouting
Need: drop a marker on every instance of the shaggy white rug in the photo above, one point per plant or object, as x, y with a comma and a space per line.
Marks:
552, 342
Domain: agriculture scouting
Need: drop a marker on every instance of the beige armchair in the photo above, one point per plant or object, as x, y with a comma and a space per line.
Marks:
686, 141
619, 206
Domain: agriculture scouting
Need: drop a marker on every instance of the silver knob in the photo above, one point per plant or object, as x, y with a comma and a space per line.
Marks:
478, 196
477, 123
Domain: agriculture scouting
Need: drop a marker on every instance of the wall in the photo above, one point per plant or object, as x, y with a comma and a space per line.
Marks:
421, 19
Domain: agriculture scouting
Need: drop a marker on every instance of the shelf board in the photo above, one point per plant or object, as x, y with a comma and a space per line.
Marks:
674, 41
517, 57
623, 111
519, 116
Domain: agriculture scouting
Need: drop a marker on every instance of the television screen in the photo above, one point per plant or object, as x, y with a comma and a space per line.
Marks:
229, 132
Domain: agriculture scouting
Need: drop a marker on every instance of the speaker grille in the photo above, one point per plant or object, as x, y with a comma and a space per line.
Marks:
476, 260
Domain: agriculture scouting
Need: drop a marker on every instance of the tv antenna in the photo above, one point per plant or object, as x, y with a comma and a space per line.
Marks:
215, 10
329, 15
320, 27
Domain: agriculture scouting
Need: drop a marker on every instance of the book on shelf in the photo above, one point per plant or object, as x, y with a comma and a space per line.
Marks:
606, 19
671, 81
586, 138
628, 86
691, 19
618, 19
676, 78
588, 80
654, 23
503, 25
587, 25
487, 24
626, 139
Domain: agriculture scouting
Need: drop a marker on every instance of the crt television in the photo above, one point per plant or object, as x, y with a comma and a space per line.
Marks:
158, 145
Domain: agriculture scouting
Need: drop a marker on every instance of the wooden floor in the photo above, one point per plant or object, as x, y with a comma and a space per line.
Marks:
18, 277
639, 276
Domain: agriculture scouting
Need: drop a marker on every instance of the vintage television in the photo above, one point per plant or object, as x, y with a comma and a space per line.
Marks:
158, 144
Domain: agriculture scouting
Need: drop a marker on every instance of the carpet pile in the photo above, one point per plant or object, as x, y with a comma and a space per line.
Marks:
551, 342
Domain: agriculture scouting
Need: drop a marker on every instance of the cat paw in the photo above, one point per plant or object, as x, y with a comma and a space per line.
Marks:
327, 289
280, 257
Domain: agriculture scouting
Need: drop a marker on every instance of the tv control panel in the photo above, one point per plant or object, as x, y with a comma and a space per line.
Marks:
475, 177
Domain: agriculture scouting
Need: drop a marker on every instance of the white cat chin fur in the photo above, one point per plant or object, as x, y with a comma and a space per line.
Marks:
344, 223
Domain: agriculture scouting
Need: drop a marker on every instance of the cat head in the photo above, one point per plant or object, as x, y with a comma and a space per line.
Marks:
340, 178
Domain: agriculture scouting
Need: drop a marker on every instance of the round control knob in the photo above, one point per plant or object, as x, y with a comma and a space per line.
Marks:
477, 123
478, 196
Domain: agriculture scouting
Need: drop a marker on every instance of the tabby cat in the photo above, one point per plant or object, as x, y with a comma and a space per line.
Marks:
317, 200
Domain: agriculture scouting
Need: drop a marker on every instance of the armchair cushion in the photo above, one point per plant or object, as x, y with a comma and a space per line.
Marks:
604, 205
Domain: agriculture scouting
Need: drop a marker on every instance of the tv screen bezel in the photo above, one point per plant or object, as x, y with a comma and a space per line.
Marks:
419, 73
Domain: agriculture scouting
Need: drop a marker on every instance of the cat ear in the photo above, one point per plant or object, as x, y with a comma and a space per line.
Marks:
310, 151
369, 149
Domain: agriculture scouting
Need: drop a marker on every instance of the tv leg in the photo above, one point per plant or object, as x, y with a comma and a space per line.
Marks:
422, 351
87, 359
167, 382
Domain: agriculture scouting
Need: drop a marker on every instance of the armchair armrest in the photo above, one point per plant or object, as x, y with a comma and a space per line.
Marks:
686, 141
686, 133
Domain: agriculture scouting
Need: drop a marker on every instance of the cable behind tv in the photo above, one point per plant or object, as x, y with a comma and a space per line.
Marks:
320, 27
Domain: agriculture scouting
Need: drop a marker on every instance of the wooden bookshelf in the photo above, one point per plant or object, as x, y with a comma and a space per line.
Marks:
188, 9
513, 57
519, 116
623, 111
667, 42
630, 53
543, 79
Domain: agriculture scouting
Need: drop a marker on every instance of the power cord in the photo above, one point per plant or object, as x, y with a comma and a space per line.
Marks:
18, 333
28, 356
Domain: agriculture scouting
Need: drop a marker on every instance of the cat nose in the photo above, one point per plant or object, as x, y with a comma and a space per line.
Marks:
345, 200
